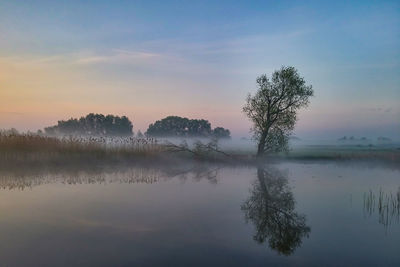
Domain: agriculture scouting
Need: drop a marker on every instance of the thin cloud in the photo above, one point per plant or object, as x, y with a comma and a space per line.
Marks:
115, 56
118, 56
235, 45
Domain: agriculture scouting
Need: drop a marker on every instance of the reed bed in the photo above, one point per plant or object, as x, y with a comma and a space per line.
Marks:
387, 205
32, 142
25, 148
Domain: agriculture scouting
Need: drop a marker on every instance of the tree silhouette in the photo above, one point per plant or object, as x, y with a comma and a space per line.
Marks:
174, 126
220, 132
271, 208
273, 109
93, 124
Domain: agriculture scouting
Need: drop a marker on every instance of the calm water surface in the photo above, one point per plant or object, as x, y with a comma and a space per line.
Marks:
288, 214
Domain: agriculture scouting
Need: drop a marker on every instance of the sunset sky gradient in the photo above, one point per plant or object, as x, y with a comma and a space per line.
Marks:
151, 59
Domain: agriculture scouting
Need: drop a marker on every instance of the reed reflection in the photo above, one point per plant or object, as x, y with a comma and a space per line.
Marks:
271, 208
385, 204
26, 178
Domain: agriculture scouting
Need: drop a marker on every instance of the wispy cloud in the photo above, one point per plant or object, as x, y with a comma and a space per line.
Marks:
168, 55
234, 45
118, 56
113, 56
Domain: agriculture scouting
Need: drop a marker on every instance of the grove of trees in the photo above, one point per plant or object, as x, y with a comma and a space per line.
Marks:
220, 132
93, 124
174, 126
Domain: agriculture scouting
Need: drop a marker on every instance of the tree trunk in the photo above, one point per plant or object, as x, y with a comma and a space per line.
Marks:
261, 144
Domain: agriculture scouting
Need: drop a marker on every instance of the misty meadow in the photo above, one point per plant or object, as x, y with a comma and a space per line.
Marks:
199, 133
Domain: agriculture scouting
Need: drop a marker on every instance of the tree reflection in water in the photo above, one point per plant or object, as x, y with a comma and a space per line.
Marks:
271, 208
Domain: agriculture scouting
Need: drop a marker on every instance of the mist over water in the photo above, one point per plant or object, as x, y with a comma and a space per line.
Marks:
281, 214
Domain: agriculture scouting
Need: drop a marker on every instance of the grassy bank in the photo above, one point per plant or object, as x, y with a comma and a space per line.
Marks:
321, 152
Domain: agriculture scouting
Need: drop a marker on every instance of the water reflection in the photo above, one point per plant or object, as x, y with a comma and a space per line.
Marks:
84, 223
25, 178
271, 208
386, 205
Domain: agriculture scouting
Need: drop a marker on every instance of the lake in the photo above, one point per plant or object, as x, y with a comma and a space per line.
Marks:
283, 214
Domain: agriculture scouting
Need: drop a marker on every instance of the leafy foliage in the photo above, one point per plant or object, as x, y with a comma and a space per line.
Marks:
174, 126
220, 132
273, 108
93, 124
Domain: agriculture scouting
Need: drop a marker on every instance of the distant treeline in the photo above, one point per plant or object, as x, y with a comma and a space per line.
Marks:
93, 124
110, 125
364, 139
174, 126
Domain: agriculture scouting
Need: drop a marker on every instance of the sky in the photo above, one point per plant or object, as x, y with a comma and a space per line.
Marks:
199, 59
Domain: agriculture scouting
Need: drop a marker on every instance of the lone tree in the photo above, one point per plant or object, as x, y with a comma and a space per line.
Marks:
273, 108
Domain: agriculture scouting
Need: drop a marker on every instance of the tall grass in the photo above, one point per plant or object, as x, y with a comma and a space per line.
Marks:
387, 205
25, 148
33, 142
33, 149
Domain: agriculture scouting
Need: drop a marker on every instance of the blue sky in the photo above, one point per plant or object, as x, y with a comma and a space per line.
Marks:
150, 59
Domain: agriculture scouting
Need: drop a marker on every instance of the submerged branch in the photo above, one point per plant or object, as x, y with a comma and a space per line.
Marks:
200, 150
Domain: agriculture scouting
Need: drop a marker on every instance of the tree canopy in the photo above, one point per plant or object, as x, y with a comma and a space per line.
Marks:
273, 108
93, 124
220, 132
175, 126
